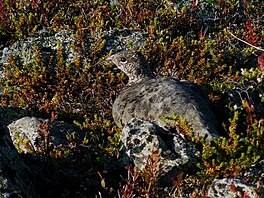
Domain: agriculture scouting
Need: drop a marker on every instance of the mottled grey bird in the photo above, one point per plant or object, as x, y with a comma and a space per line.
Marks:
149, 97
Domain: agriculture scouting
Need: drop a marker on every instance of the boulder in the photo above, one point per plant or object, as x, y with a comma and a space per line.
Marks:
31, 134
146, 143
229, 188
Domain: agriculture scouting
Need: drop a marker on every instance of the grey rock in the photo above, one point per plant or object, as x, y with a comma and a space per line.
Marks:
142, 139
230, 188
122, 39
24, 134
149, 97
47, 43
31, 134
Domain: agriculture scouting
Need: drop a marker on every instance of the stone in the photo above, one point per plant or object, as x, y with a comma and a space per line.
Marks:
31, 134
122, 39
153, 98
229, 188
47, 43
146, 143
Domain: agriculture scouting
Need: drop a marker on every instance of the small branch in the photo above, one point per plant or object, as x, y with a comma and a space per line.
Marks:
258, 48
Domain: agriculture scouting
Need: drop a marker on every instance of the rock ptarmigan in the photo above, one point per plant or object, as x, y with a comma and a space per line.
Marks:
149, 97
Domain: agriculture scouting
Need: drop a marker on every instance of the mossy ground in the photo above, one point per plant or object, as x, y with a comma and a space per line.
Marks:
188, 47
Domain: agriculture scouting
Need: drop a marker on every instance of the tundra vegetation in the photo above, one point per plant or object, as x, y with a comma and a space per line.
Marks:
220, 52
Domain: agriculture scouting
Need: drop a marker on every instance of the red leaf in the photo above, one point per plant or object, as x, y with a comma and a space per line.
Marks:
232, 188
194, 5
246, 195
249, 26
105, 9
246, 179
261, 62
245, 2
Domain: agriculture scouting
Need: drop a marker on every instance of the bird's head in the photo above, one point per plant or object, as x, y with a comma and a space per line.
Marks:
133, 64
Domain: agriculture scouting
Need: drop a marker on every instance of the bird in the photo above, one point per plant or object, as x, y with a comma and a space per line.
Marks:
150, 97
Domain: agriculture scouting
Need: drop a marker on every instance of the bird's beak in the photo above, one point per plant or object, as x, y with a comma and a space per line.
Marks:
110, 58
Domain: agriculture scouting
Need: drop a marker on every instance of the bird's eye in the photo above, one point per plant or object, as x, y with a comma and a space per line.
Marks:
123, 59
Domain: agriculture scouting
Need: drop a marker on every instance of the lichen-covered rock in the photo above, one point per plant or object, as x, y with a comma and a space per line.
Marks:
152, 98
145, 141
230, 188
31, 134
47, 42
122, 39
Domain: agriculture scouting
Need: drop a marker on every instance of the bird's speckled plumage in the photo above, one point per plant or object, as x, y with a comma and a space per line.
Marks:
150, 97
